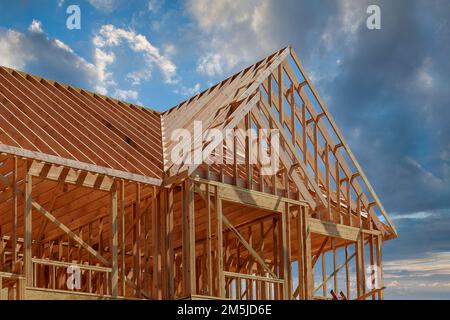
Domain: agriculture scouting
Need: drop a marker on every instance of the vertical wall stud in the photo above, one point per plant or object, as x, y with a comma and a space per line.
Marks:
114, 243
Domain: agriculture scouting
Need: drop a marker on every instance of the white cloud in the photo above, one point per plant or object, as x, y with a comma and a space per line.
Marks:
236, 33
427, 176
222, 14
103, 5
62, 45
12, 53
434, 264
54, 58
60, 3
186, 91
425, 79
435, 285
126, 95
35, 26
445, 154
431, 274
352, 15
109, 37
394, 283
169, 49
136, 77
102, 60
155, 5
413, 216
211, 64
19, 49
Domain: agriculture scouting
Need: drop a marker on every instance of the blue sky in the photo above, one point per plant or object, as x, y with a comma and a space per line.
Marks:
388, 89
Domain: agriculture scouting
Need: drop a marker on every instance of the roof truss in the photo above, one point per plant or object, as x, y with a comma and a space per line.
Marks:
277, 94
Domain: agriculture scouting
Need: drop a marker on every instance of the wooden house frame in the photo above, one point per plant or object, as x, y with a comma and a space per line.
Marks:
87, 182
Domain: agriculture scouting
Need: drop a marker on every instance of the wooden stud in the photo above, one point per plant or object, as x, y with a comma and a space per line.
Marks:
114, 243
192, 252
28, 230
219, 233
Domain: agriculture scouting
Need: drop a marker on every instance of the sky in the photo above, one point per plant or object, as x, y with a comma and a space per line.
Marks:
387, 89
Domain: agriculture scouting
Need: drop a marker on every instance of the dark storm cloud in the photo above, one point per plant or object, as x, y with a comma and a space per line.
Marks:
389, 87
418, 236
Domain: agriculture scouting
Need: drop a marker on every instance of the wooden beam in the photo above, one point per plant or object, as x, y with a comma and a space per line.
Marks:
68, 232
248, 247
251, 198
44, 222
331, 229
334, 272
320, 251
78, 165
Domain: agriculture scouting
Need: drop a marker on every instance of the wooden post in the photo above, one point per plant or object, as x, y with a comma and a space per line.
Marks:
156, 247
327, 182
324, 275
136, 240
162, 267
28, 228
155, 244
335, 275
192, 253
188, 234
208, 242
379, 266
261, 253
309, 277
14, 217
359, 248
123, 247
289, 253
284, 252
169, 247
147, 243
114, 243
249, 151
185, 240
20, 288
372, 264
300, 255
221, 278
276, 261
347, 274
